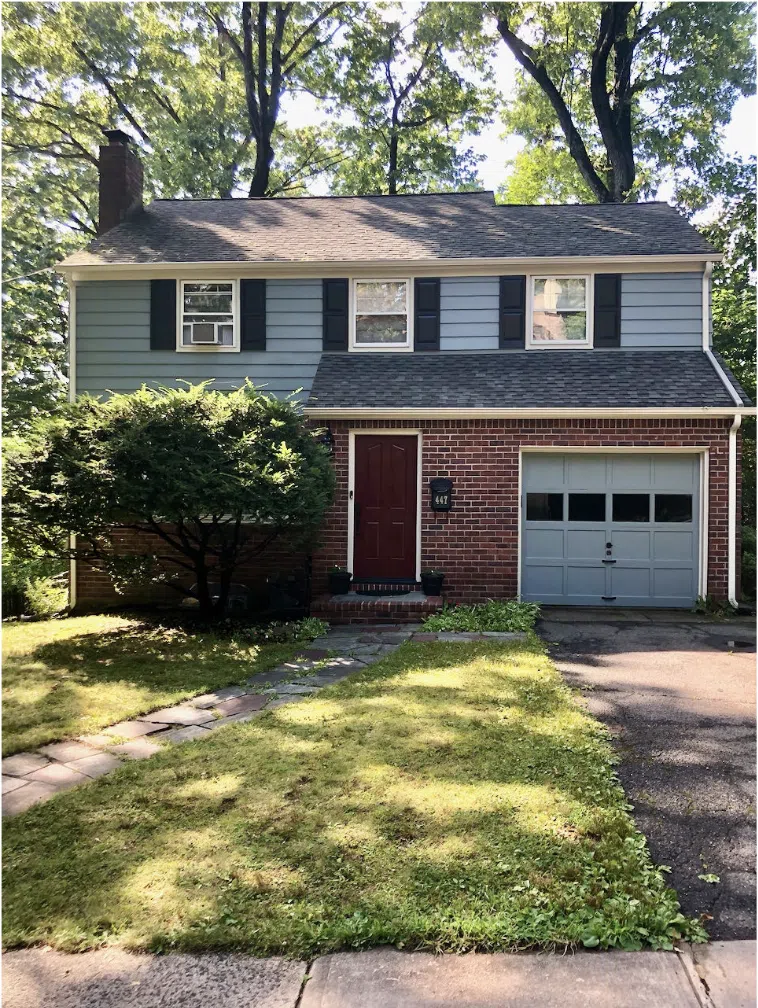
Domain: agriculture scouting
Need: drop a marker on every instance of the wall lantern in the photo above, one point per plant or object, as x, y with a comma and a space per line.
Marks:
442, 494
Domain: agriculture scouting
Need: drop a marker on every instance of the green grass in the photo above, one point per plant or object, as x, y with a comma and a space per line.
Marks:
451, 797
63, 678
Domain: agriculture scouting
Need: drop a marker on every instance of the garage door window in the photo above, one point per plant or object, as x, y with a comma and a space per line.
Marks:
631, 507
586, 507
544, 507
673, 507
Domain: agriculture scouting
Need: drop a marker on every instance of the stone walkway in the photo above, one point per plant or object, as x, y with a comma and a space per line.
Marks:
33, 777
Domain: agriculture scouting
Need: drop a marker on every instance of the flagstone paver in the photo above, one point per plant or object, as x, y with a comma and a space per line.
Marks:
67, 751
241, 704
129, 730
139, 748
95, 766
11, 783
32, 777
58, 775
186, 734
23, 763
181, 715
218, 697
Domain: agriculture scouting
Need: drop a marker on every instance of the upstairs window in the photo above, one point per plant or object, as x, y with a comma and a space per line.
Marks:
381, 315
208, 311
560, 315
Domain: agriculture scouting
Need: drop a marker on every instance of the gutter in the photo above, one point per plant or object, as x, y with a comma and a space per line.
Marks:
494, 413
732, 513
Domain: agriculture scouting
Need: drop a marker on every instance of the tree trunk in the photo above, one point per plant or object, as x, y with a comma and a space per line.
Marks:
392, 167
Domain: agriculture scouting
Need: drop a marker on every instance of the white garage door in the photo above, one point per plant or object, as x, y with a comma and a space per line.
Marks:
610, 530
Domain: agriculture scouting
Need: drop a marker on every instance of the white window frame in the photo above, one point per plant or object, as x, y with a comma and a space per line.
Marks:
208, 347
533, 344
381, 347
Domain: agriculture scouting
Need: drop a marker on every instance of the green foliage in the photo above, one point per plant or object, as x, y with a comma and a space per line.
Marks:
408, 108
748, 570
46, 596
494, 615
714, 608
451, 797
690, 63
296, 631
190, 467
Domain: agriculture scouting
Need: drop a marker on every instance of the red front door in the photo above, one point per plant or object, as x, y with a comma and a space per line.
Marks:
385, 506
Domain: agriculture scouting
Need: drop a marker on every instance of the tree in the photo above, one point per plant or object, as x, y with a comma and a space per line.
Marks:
629, 92
193, 470
407, 108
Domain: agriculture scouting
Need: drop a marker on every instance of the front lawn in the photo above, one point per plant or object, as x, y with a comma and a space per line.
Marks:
63, 678
450, 797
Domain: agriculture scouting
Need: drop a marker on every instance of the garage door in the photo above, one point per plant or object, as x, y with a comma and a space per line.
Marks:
616, 530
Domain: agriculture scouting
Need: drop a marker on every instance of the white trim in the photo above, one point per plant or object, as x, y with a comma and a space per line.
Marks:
469, 266
706, 310
703, 483
519, 544
71, 398
732, 513
589, 298
406, 347
236, 321
468, 413
396, 432
705, 475
736, 398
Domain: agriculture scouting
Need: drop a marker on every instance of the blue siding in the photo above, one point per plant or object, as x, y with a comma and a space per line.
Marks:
113, 342
469, 313
662, 310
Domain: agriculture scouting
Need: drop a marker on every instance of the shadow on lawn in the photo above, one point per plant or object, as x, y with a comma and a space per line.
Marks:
437, 800
83, 682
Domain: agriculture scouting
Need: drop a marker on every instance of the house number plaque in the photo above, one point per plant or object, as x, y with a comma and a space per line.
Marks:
442, 494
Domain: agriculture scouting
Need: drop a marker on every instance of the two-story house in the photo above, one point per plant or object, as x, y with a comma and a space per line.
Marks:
553, 363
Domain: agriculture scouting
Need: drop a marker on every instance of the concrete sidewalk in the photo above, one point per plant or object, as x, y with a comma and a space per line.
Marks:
721, 975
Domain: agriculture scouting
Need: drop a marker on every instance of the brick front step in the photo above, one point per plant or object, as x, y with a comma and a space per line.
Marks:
354, 608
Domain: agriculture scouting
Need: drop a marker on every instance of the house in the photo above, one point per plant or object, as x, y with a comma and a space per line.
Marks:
552, 363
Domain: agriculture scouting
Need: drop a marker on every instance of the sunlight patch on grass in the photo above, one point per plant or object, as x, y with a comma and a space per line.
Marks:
69, 677
403, 805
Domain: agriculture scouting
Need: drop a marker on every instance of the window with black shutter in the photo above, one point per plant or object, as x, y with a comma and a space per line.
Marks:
512, 312
607, 322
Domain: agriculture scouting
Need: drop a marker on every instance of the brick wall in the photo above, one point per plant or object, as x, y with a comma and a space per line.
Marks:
94, 589
476, 543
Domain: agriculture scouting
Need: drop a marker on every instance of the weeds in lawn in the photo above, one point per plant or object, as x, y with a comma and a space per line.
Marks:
450, 797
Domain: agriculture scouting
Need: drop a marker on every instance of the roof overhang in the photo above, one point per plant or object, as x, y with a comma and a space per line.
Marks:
388, 267
421, 413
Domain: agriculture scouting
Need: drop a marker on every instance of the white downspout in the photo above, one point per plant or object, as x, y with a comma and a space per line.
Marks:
732, 512
71, 398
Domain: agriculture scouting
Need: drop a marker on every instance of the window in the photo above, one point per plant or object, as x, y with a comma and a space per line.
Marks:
587, 507
560, 315
673, 507
631, 507
208, 316
381, 315
544, 507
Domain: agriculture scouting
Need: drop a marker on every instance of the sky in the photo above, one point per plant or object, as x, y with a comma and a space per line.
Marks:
740, 136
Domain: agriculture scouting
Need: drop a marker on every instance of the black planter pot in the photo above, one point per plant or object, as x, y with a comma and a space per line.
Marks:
339, 583
432, 583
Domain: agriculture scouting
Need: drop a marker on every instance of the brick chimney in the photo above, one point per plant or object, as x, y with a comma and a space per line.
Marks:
120, 180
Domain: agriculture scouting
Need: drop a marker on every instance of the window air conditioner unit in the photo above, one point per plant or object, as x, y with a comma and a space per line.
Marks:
204, 332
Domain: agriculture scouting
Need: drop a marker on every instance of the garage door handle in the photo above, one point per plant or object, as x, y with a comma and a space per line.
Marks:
609, 561
608, 598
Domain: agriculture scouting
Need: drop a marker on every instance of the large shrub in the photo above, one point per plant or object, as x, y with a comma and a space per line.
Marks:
194, 468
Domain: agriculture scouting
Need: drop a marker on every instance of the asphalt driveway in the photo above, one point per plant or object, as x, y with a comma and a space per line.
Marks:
681, 703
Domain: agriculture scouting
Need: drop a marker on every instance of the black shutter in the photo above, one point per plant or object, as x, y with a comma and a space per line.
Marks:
512, 312
163, 314
607, 323
335, 307
253, 311
426, 304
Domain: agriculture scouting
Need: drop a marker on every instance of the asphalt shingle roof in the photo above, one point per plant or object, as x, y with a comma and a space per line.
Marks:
536, 379
365, 228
